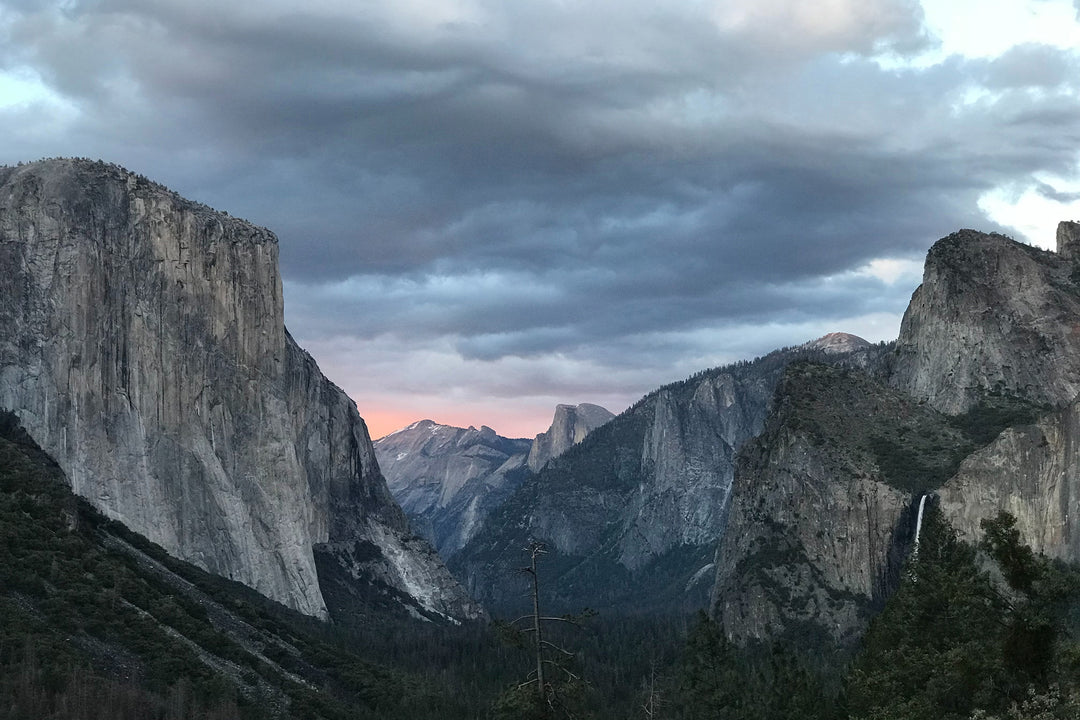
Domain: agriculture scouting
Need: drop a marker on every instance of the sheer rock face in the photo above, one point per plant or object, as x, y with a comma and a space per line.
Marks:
812, 548
569, 427
632, 514
1004, 317
688, 454
997, 317
448, 479
1068, 240
142, 345
992, 315
818, 525
1031, 471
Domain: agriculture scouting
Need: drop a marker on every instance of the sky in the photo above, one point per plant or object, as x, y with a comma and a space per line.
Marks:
486, 208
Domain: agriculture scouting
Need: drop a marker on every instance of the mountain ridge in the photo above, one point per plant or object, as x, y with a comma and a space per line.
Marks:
446, 479
449, 480
632, 514
975, 405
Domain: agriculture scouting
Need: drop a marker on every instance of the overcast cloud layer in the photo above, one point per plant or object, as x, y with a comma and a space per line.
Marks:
486, 208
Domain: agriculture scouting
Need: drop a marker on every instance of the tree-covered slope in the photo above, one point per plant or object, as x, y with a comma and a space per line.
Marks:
824, 500
96, 622
985, 632
632, 514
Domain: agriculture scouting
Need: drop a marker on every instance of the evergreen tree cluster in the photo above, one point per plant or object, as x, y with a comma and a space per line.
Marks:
973, 633
87, 632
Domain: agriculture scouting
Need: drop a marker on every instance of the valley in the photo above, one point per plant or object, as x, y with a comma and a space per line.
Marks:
196, 523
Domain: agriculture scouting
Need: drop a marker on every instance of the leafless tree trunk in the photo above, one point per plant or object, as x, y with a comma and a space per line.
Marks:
536, 549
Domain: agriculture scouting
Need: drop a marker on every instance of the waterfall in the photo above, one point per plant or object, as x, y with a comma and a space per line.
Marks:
918, 523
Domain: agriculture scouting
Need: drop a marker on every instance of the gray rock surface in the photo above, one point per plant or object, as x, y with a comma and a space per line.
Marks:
994, 315
819, 518
632, 514
1068, 240
997, 317
448, 479
822, 501
569, 427
1031, 471
688, 456
142, 345
838, 343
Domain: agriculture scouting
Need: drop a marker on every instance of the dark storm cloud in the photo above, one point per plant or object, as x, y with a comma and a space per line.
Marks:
608, 180
1052, 193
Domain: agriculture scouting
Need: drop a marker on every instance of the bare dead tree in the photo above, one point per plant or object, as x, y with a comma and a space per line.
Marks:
542, 648
535, 550
653, 698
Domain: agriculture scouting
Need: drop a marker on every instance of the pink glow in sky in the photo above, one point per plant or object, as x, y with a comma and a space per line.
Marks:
486, 209
525, 421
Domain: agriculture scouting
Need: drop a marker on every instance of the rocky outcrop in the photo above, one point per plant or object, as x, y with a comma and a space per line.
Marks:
688, 454
821, 506
996, 321
821, 502
1031, 471
142, 345
569, 427
1068, 240
838, 343
632, 514
992, 315
448, 479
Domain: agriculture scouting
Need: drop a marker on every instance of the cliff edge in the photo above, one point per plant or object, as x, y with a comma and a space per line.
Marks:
143, 345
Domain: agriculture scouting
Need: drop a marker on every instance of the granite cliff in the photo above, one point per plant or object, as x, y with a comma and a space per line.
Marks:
631, 515
822, 502
1031, 470
976, 405
142, 345
992, 315
1029, 353
448, 479
569, 427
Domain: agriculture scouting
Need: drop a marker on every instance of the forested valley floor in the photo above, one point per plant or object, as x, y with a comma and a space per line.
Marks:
96, 623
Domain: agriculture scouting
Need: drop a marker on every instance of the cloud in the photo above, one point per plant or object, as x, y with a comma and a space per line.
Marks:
1031, 66
544, 197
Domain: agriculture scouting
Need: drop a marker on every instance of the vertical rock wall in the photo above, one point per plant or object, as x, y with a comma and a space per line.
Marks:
1031, 471
569, 426
143, 346
991, 315
1068, 240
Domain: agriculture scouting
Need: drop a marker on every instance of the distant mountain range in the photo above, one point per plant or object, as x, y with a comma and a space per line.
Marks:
449, 479
782, 491
631, 516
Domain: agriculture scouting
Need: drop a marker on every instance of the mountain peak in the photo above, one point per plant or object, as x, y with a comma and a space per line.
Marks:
447, 478
835, 343
992, 314
569, 426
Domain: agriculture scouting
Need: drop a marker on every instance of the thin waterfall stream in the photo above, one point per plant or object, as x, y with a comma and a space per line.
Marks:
918, 523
